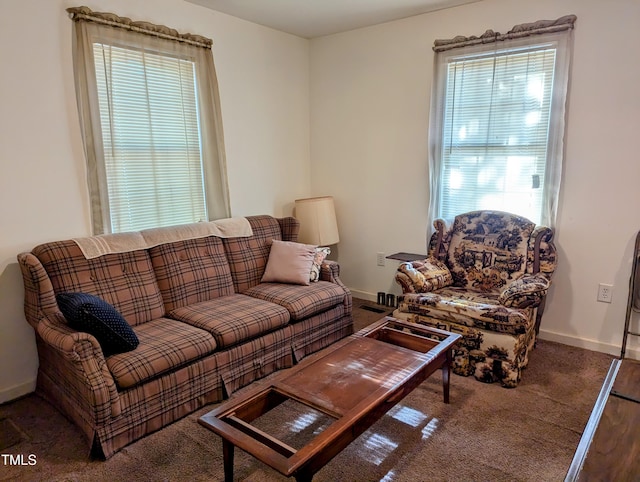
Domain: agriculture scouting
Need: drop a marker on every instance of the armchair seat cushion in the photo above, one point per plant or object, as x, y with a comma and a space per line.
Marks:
469, 308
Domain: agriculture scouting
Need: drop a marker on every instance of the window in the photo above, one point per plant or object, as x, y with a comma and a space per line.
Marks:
497, 125
152, 130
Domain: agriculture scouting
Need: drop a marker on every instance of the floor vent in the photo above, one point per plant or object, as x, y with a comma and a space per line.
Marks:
373, 308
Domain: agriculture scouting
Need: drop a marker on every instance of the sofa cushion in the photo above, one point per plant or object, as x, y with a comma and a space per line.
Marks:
233, 319
289, 262
165, 345
124, 280
191, 271
469, 308
488, 249
248, 256
300, 301
90, 314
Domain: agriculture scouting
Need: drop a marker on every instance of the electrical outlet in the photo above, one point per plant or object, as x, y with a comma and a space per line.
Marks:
605, 293
380, 259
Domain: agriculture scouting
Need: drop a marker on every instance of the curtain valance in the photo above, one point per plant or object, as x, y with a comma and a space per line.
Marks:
519, 31
162, 31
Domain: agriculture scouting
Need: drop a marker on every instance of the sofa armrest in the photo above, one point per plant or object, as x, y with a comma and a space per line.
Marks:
330, 271
423, 276
39, 297
83, 376
526, 292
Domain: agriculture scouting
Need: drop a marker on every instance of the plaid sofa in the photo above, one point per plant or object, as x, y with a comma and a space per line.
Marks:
206, 327
486, 278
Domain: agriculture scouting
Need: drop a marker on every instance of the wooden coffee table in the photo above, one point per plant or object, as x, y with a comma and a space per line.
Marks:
354, 381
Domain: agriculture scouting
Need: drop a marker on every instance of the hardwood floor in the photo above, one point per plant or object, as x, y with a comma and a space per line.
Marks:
610, 445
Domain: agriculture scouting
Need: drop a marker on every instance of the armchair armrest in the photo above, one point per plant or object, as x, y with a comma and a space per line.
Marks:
423, 276
527, 292
80, 371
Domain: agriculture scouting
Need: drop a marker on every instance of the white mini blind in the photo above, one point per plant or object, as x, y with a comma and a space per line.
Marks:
495, 131
151, 138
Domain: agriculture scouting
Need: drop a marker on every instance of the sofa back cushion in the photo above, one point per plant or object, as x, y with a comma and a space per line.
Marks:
248, 256
191, 271
488, 249
124, 280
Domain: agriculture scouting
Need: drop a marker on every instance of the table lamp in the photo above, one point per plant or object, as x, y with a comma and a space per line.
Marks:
318, 225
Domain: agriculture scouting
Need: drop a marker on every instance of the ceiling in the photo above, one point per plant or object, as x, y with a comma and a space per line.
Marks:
315, 18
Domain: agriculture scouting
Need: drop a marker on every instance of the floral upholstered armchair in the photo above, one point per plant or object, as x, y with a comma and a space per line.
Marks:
486, 277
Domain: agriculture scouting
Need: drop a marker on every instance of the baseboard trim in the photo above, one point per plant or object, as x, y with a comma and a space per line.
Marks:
588, 344
17, 391
363, 295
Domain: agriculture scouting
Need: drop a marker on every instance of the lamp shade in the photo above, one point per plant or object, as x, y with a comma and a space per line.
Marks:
318, 225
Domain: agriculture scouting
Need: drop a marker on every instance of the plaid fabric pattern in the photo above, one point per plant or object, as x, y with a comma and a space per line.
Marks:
191, 271
165, 345
330, 271
151, 406
184, 363
290, 227
74, 360
320, 331
300, 301
255, 359
233, 319
124, 280
156, 403
39, 298
248, 256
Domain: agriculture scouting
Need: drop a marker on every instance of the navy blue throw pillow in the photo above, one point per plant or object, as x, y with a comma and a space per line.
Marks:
93, 315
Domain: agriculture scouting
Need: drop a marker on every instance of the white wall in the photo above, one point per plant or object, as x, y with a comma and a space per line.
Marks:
263, 77
370, 95
367, 111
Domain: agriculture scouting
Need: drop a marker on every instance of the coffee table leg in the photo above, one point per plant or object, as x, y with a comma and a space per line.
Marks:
446, 371
304, 477
227, 454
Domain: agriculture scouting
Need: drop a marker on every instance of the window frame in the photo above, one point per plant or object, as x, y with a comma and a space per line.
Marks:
561, 41
90, 28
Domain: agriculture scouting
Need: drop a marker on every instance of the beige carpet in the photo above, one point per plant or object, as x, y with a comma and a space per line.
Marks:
487, 433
